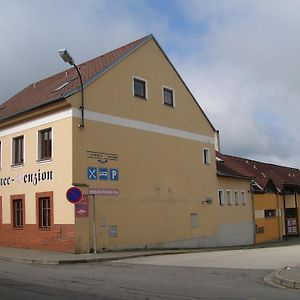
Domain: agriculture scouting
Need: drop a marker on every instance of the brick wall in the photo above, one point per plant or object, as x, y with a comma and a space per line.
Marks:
59, 237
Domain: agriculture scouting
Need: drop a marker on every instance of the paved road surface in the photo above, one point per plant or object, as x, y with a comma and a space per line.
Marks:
260, 258
234, 275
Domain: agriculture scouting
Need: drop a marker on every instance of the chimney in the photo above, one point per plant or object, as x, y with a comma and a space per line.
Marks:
217, 141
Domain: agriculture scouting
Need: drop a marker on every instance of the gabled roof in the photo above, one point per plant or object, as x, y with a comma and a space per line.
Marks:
66, 83
280, 176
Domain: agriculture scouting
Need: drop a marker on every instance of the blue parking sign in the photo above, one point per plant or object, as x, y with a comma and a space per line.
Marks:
114, 174
103, 173
92, 173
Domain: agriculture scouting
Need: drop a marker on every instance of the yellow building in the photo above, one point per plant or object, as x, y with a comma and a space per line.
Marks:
137, 144
236, 199
276, 192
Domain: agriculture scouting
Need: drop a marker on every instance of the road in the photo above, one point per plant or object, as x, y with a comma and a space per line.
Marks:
234, 274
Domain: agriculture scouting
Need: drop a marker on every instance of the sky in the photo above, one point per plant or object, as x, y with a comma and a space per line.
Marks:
239, 58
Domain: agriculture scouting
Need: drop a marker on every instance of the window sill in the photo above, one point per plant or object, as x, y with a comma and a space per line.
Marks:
44, 228
141, 97
18, 228
169, 105
44, 161
15, 166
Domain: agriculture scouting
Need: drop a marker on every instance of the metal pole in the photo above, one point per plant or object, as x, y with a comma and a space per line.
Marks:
94, 224
82, 99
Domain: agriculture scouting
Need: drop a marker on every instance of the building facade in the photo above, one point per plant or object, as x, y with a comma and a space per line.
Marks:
140, 148
276, 192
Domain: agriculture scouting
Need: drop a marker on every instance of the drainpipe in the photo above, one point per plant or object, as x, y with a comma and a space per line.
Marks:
253, 213
279, 217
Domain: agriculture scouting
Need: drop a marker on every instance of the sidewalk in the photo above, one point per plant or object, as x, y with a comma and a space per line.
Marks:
288, 277
54, 258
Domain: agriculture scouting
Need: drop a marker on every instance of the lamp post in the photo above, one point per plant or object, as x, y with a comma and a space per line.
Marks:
64, 54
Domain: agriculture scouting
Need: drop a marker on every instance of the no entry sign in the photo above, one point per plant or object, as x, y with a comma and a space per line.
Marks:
74, 194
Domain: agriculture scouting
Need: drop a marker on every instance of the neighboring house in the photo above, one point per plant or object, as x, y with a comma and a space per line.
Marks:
235, 200
276, 198
145, 155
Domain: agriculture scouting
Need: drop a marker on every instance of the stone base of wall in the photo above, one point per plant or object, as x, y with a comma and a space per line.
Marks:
60, 237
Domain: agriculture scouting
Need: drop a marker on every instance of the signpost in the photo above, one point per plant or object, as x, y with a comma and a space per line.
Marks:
74, 195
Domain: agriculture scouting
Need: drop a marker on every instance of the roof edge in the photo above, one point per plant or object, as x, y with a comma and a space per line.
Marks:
114, 63
28, 109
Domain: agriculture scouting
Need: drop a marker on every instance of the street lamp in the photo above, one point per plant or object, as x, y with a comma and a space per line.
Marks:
64, 54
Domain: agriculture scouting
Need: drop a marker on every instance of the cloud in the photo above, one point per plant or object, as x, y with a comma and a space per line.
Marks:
33, 33
245, 75
239, 58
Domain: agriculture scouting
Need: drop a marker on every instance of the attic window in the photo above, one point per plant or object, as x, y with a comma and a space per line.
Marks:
3, 106
263, 174
254, 167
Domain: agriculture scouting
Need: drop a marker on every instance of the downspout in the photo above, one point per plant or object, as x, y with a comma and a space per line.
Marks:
297, 217
284, 217
279, 217
253, 212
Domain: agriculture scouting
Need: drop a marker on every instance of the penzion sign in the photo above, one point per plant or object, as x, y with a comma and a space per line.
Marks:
33, 178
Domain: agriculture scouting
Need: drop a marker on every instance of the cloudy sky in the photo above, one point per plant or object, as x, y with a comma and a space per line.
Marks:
239, 58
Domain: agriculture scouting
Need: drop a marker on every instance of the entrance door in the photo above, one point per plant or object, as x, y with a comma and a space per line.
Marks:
291, 226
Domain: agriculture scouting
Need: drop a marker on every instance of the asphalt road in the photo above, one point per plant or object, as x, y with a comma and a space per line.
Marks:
181, 276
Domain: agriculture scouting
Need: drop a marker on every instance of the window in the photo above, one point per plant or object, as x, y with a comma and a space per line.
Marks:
221, 197
229, 197
243, 197
139, 88
206, 156
270, 213
45, 144
168, 96
194, 220
44, 212
18, 150
17, 206
236, 198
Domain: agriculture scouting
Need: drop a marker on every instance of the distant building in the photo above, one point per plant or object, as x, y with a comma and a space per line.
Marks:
276, 196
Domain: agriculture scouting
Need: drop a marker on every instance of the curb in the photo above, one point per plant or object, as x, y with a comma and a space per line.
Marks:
85, 260
290, 283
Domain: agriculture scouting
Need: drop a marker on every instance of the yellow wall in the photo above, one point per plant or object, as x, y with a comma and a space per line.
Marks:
60, 165
163, 179
273, 227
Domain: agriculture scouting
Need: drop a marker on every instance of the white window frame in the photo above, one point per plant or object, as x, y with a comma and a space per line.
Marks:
146, 87
38, 150
13, 154
230, 198
163, 95
236, 199
204, 151
243, 198
222, 198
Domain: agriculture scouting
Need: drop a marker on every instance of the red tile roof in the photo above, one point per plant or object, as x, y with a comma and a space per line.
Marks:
280, 176
226, 166
48, 90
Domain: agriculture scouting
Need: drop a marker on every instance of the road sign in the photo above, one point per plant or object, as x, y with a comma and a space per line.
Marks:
104, 192
92, 173
74, 194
